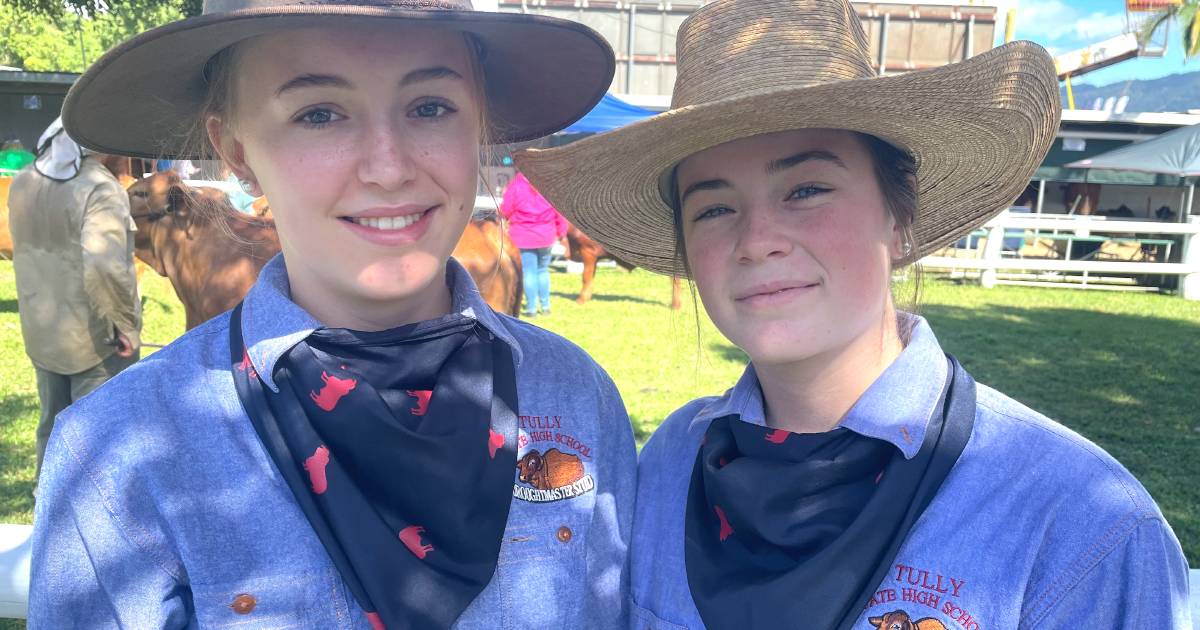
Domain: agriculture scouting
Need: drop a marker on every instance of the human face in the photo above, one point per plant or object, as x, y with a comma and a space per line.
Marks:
789, 242
366, 140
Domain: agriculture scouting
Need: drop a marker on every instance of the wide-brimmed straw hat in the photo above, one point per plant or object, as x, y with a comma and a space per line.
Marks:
143, 96
978, 129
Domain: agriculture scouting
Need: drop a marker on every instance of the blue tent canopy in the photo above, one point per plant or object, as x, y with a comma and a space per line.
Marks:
610, 113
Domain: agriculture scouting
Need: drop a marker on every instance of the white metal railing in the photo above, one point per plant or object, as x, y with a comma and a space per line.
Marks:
991, 260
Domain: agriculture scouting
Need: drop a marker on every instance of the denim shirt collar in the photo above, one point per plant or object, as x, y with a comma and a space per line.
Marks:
896, 408
272, 323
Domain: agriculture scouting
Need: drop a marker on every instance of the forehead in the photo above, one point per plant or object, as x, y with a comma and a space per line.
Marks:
757, 151
353, 48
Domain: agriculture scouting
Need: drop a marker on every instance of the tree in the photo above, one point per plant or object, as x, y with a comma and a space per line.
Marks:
69, 41
53, 8
1187, 16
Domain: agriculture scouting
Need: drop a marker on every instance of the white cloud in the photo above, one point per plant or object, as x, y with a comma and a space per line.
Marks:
1055, 21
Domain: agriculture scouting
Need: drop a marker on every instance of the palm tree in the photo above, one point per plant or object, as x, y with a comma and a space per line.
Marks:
1187, 15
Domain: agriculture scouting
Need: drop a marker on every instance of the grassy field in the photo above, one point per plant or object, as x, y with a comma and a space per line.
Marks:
1119, 368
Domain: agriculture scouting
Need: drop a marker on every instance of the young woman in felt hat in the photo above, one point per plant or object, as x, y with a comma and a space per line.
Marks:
856, 476
363, 443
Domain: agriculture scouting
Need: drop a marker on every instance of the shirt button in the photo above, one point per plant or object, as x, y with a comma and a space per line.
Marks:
564, 534
243, 604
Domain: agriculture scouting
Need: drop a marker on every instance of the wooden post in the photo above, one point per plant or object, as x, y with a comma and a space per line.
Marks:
991, 254
1189, 284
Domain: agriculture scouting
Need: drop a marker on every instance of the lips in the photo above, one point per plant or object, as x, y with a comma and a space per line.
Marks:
389, 218
772, 289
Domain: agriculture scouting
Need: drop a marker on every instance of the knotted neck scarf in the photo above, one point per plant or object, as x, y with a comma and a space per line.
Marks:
399, 447
783, 527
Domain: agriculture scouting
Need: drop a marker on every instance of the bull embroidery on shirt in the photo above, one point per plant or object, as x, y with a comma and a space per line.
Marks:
899, 620
931, 600
555, 468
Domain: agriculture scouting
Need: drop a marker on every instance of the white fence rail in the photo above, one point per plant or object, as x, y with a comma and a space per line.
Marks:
992, 261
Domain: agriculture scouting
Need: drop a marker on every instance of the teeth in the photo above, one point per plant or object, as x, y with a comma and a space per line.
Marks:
388, 223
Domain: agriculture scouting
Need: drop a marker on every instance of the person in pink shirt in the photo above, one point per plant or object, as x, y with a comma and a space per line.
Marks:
534, 225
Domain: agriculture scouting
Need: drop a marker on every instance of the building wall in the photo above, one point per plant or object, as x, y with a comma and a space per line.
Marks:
16, 121
918, 35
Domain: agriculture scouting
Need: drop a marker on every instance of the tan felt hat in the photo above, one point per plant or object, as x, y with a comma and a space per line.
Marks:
978, 129
143, 96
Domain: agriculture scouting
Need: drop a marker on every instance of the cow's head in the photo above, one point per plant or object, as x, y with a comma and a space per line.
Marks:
530, 465
895, 620
161, 204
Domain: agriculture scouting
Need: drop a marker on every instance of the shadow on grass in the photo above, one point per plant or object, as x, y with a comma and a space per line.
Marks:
729, 352
16, 458
1126, 382
602, 297
8, 306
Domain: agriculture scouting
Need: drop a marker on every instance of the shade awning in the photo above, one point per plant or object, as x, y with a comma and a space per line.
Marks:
610, 113
1173, 153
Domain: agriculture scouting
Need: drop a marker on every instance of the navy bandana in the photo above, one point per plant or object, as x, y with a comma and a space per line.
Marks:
400, 448
782, 526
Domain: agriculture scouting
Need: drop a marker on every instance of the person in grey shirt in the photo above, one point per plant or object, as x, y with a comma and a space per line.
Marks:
76, 287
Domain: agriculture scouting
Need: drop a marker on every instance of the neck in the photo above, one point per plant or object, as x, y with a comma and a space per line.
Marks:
338, 308
814, 394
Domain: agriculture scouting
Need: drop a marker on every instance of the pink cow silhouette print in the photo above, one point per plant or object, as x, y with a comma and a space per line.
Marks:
334, 390
315, 466
778, 436
726, 528
422, 396
411, 537
899, 620
495, 441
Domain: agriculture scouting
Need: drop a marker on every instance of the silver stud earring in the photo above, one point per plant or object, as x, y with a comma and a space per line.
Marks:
906, 249
247, 187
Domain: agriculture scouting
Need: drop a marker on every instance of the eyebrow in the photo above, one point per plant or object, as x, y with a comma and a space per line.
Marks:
331, 80
804, 156
708, 184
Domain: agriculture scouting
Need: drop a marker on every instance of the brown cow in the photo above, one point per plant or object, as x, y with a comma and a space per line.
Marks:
899, 620
553, 470
588, 251
211, 253
180, 237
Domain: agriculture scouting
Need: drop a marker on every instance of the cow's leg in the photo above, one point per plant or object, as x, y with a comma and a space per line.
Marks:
589, 273
676, 293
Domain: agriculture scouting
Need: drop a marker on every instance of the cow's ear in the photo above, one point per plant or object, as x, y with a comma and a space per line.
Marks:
875, 621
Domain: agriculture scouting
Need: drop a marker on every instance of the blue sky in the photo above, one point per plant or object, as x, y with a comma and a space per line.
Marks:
1065, 25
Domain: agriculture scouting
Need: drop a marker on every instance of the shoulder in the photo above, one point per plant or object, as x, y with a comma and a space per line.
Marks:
678, 435
546, 352
159, 396
1028, 439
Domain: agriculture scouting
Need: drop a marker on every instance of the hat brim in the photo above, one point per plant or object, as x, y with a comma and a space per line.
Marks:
978, 130
143, 97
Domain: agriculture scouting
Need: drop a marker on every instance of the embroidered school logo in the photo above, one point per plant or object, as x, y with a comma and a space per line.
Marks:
899, 620
411, 537
422, 396
334, 390
937, 598
315, 466
551, 476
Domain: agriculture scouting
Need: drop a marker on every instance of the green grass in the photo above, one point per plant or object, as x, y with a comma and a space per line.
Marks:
1119, 368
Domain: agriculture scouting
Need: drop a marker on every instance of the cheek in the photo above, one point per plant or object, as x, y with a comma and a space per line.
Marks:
852, 249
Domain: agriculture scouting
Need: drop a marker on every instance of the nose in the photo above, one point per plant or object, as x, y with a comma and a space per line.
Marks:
386, 160
759, 236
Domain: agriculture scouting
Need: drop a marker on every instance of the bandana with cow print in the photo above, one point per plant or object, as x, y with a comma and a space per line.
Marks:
787, 526
399, 447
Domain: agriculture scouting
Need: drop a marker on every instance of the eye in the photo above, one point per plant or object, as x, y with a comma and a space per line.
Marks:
431, 109
709, 213
318, 117
139, 193
806, 192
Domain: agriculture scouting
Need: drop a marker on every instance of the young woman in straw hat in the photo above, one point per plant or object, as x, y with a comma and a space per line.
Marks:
363, 443
856, 476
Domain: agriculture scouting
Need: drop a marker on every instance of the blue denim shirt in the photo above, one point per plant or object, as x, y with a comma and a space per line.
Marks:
158, 505
1035, 527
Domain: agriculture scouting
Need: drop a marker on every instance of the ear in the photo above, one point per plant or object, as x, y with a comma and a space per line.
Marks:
231, 151
179, 200
875, 621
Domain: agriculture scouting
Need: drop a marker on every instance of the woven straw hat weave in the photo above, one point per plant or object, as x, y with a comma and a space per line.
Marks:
977, 129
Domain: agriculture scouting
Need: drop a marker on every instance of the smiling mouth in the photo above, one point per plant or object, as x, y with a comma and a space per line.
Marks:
775, 292
387, 223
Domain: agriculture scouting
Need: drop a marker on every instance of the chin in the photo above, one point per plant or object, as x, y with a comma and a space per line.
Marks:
401, 278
